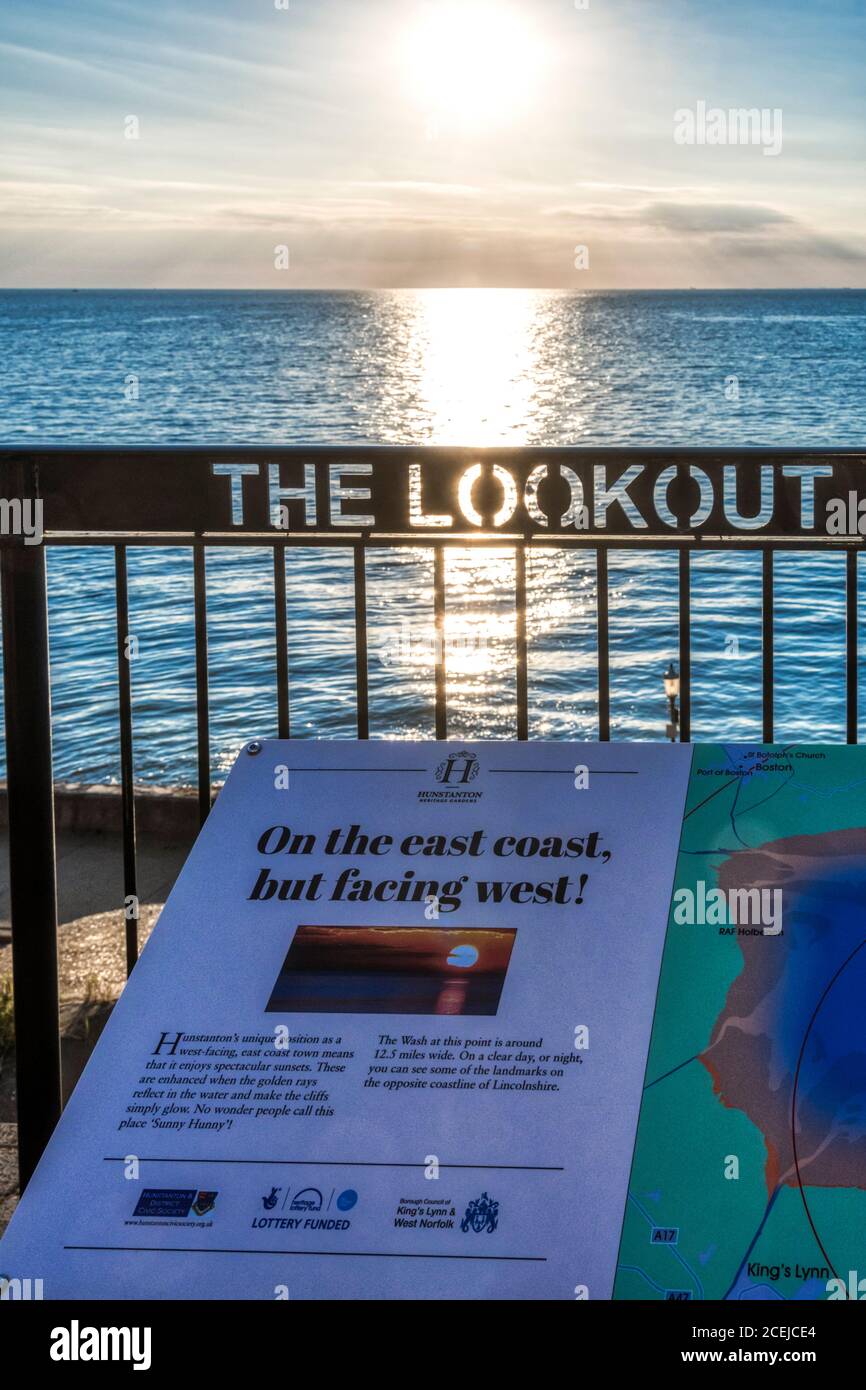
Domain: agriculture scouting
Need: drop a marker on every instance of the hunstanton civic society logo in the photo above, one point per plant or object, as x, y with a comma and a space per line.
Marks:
178, 1204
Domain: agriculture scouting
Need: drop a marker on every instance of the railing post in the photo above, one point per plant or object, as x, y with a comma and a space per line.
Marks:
127, 765
282, 642
767, 644
440, 698
685, 594
362, 679
521, 656
202, 712
33, 888
851, 652
603, 643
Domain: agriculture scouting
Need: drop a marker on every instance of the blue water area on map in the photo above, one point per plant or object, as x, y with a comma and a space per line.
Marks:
823, 988
810, 1025
471, 367
825, 923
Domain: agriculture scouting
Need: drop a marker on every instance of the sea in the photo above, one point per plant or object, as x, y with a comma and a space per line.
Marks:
463, 366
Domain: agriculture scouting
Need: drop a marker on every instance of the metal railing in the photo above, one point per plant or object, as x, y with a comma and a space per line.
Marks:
356, 497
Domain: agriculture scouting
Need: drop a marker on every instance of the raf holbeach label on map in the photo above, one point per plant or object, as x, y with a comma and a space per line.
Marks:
387, 1039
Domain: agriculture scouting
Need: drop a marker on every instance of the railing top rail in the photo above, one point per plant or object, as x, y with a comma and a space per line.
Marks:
33, 448
433, 493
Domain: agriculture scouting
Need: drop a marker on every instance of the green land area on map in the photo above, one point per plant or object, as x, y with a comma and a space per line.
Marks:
749, 1173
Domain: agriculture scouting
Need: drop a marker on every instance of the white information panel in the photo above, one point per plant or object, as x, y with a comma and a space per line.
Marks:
387, 1040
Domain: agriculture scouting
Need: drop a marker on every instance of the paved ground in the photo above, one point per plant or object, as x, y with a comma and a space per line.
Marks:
90, 886
92, 952
8, 1174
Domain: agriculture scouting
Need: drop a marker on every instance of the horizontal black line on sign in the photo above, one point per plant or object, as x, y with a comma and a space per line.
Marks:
567, 771
348, 1163
339, 1254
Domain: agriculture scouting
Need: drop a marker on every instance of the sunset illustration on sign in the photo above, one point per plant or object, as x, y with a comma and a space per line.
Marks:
412, 970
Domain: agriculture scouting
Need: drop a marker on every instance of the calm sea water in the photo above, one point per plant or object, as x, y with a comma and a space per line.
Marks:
432, 367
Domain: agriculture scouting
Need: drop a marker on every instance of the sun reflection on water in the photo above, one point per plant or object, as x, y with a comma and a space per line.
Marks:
477, 351
478, 360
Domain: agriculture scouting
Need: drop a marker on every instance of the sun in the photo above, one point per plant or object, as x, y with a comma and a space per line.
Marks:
471, 66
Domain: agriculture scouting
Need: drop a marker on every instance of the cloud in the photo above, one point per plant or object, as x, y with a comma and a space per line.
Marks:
436, 190
804, 246
711, 218
750, 229
685, 217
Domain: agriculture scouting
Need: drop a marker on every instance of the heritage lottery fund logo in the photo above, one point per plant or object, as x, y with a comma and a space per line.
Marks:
310, 1207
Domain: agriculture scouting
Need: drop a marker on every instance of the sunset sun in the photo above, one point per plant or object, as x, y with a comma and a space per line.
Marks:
471, 66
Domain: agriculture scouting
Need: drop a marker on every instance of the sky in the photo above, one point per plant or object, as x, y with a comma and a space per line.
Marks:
355, 143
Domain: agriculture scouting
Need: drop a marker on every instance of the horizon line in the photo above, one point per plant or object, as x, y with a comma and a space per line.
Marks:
386, 289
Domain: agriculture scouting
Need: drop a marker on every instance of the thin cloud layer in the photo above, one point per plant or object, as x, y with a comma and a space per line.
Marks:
180, 147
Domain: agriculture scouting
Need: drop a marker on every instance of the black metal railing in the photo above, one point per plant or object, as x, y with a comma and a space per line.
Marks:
360, 498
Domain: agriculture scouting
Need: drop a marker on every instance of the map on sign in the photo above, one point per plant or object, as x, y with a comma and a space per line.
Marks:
749, 1172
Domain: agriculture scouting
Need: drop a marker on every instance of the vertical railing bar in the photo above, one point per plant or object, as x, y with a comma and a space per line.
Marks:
685, 595
851, 653
602, 644
361, 657
522, 673
124, 688
767, 644
201, 681
441, 711
32, 862
282, 639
